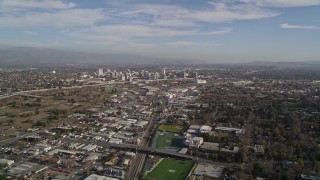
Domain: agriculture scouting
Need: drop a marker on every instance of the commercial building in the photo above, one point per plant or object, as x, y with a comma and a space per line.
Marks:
205, 129
209, 146
28, 170
100, 72
6, 161
89, 147
98, 177
227, 129
208, 170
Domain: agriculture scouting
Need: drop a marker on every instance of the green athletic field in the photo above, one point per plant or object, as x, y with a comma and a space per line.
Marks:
170, 128
170, 169
168, 140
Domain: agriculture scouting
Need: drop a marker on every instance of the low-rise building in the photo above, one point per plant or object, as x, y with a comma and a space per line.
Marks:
89, 147
194, 142
183, 151
76, 145
227, 129
28, 170
194, 129
62, 151
228, 149
209, 146
259, 149
208, 170
98, 177
115, 141
6, 161
205, 129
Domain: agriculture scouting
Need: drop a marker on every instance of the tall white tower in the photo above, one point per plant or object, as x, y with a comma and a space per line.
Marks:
164, 72
100, 72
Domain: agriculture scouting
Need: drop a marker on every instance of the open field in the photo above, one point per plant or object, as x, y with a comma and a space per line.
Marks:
18, 113
170, 169
170, 128
168, 140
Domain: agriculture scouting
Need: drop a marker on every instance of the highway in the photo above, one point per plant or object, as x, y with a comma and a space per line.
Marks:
138, 162
136, 166
25, 93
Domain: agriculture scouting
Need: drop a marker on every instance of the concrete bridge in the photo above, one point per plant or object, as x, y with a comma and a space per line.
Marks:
159, 152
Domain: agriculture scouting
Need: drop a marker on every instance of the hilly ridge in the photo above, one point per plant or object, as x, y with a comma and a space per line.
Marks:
21, 56
30, 56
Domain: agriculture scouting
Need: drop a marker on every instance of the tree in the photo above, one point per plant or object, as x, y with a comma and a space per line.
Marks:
3, 177
300, 162
285, 176
3, 165
259, 170
40, 123
239, 156
37, 111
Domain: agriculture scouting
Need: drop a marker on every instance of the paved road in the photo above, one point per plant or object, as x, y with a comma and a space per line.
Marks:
6, 142
136, 166
138, 162
25, 93
163, 152
75, 87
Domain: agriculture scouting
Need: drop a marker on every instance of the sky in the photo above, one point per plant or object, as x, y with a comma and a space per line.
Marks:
214, 31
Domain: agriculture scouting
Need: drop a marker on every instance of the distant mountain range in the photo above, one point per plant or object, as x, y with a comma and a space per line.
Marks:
20, 56
37, 56
283, 64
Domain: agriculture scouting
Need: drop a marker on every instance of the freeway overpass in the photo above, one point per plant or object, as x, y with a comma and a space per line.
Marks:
159, 152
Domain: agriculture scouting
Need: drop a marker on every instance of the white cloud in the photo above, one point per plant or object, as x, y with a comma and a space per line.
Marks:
61, 18
122, 32
110, 39
215, 13
223, 31
139, 45
292, 26
166, 22
136, 26
283, 3
45, 4
187, 43
139, 31
226, 13
115, 34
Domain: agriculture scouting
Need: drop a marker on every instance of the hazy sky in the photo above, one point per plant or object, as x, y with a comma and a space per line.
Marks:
217, 30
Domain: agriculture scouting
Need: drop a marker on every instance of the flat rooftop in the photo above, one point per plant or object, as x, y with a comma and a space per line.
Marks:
210, 146
208, 170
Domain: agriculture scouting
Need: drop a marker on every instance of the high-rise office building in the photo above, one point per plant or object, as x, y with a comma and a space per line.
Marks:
100, 72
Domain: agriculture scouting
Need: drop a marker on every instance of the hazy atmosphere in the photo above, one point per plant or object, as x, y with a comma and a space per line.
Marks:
214, 31
157, 90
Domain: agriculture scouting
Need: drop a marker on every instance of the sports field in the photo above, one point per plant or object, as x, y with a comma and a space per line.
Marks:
170, 169
170, 128
168, 140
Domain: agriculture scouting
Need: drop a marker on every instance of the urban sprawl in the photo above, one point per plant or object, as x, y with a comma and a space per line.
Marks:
154, 123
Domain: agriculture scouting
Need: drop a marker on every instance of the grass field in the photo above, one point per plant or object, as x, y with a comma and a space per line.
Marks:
170, 128
168, 140
170, 169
